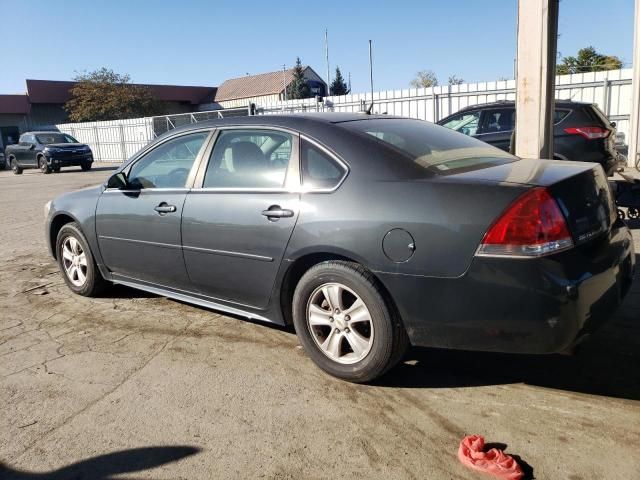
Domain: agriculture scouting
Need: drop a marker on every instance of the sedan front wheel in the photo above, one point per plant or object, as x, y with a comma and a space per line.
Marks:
344, 322
76, 262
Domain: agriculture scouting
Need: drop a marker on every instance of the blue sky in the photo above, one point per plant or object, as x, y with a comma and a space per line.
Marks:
205, 42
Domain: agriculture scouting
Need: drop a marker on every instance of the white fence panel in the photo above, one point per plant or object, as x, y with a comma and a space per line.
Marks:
115, 141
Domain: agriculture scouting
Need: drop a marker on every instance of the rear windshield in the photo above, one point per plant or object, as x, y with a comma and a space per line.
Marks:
47, 138
429, 146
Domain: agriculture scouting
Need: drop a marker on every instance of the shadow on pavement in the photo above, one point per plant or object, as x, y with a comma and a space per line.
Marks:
106, 467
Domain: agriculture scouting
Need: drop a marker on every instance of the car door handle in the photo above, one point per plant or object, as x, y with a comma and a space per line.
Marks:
165, 208
274, 212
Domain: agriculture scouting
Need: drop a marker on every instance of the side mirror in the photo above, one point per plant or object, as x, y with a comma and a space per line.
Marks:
613, 124
32, 146
118, 181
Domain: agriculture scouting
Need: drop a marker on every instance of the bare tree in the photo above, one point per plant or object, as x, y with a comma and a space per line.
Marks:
425, 79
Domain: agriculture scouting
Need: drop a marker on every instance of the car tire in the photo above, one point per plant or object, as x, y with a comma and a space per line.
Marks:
357, 349
15, 168
43, 165
76, 262
85, 166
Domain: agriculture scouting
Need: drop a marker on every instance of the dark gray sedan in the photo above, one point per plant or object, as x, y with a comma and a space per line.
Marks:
367, 233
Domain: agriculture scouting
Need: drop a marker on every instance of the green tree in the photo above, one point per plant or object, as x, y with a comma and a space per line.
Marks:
298, 88
455, 80
106, 95
424, 79
588, 60
338, 86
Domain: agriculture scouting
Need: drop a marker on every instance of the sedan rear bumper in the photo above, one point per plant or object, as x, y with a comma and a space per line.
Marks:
542, 305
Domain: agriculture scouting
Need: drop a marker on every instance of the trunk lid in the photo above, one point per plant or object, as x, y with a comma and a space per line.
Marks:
580, 189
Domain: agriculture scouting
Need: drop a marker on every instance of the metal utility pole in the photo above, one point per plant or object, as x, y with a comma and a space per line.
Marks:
284, 84
634, 124
326, 53
349, 82
535, 78
371, 69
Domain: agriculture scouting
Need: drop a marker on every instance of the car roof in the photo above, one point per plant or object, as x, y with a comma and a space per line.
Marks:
512, 103
41, 132
313, 124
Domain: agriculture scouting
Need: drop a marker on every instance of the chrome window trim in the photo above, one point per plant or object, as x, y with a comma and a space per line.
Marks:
292, 181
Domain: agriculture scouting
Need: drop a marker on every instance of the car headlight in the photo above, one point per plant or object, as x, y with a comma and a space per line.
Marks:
47, 209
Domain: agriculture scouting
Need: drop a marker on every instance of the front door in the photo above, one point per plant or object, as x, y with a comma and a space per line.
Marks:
138, 227
236, 227
25, 151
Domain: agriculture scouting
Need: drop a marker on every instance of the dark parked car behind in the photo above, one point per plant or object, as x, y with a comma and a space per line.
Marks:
48, 151
581, 132
366, 232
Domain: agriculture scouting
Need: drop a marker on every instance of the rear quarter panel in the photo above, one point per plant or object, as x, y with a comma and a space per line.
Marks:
447, 220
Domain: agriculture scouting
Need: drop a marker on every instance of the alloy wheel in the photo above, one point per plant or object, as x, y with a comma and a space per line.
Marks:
340, 323
74, 261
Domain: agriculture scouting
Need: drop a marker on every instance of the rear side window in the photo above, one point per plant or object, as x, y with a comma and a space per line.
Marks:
559, 115
319, 170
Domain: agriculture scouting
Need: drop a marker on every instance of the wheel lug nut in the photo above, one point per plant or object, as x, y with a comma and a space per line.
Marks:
347, 318
337, 310
331, 319
346, 330
337, 330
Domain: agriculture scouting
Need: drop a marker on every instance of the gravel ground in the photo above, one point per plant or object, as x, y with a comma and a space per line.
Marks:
143, 387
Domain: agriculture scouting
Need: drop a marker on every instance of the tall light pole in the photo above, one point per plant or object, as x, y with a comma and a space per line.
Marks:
326, 53
634, 124
371, 69
284, 84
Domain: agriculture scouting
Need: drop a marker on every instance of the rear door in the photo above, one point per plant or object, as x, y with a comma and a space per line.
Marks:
139, 228
239, 217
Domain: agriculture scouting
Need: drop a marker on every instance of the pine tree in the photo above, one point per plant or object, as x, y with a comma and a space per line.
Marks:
298, 88
338, 86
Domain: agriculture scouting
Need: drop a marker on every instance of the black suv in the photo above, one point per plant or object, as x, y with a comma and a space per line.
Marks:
581, 131
48, 151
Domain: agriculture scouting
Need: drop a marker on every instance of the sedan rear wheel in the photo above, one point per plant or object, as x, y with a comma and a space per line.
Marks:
76, 262
344, 322
43, 165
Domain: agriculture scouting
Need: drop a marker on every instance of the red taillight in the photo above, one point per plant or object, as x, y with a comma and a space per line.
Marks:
532, 226
590, 133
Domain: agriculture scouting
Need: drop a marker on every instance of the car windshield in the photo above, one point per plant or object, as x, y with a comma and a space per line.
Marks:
432, 147
47, 138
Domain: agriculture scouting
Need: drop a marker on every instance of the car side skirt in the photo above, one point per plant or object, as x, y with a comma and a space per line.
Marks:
195, 299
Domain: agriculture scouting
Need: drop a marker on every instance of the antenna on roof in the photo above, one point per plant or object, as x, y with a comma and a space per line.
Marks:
368, 111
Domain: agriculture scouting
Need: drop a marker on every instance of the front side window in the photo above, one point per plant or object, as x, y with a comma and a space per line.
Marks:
319, 170
466, 123
168, 165
249, 159
27, 139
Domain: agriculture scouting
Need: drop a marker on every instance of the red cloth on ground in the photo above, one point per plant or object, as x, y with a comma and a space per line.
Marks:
494, 462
